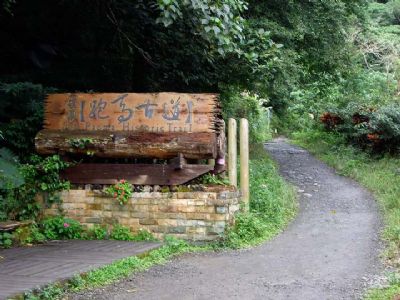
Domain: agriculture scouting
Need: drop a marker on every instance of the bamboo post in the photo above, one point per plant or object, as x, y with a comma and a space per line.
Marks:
232, 151
244, 162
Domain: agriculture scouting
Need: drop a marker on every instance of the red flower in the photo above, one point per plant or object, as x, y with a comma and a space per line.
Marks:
115, 195
122, 181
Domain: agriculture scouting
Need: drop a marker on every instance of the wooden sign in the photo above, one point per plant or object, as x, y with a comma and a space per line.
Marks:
131, 112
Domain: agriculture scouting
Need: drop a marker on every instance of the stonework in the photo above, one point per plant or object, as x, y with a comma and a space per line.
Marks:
196, 216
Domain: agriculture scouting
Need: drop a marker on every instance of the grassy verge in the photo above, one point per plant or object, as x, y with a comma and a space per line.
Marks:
272, 206
116, 271
381, 175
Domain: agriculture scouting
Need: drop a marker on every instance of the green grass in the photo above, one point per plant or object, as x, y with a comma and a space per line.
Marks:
381, 175
117, 270
272, 205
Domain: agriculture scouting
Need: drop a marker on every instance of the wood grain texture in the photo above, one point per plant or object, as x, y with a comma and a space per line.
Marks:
125, 144
151, 112
138, 174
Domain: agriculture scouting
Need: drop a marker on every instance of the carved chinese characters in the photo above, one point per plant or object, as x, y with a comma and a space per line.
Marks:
159, 113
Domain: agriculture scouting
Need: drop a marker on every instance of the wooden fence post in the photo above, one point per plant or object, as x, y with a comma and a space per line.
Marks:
244, 162
232, 151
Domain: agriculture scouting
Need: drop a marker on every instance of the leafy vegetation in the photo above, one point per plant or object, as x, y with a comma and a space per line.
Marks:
5, 239
59, 228
376, 129
18, 198
115, 271
121, 191
272, 204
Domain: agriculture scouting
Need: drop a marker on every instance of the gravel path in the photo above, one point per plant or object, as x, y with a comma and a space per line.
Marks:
329, 252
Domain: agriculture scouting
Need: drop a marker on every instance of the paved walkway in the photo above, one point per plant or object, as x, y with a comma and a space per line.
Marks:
23, 269
329, 252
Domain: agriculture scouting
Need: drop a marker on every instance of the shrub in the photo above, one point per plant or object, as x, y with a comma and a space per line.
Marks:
6, 239
367, 127
97, 232
58, 228
121, 233
29, 235
40, 176
242, 104
121, 191
143, 235
21, 115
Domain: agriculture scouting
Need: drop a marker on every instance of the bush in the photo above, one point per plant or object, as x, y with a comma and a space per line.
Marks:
237, 104
6, 239
29, 235
21, 115
121, 233
40, 176
376, 129
97, 232
59, 228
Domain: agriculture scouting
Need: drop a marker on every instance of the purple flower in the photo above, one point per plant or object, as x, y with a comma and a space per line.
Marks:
66, 225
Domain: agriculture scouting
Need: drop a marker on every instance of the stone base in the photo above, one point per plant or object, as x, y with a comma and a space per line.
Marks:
199, 216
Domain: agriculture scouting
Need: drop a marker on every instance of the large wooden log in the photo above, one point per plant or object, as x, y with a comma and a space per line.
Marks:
126, 144
152, 112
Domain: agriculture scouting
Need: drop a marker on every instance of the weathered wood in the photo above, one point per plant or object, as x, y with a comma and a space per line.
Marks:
121, 144
232, 151
179, 162
244, 163
139, 174
156, 112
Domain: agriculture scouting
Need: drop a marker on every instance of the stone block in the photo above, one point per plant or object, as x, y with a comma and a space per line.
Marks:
167, 222
148, 222
186, 195
108, 207
177, 216
140, 208
122, 214
221, 209
196, 230
176, 229
140, 215
93, 220
95, 206
217, 217
177, 202
196, 216
206, 196
205, 209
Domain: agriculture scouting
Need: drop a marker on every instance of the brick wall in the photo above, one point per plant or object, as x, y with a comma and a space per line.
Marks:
189, 215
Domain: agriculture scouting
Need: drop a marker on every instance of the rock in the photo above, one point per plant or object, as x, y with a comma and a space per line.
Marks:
147, 189
301, 191
308, 195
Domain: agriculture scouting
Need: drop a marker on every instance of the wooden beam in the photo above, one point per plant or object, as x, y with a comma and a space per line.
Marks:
138, 174
244, 163
232, 151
